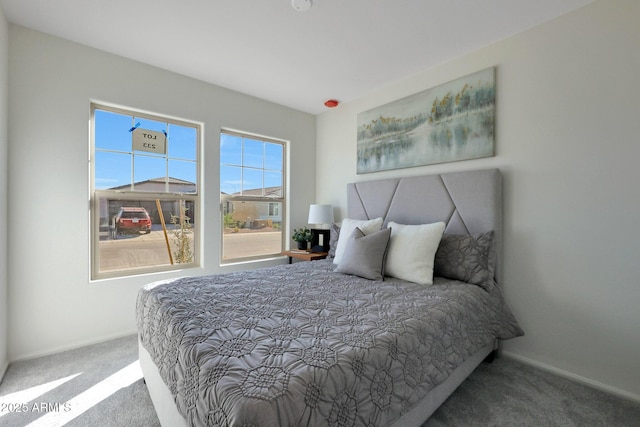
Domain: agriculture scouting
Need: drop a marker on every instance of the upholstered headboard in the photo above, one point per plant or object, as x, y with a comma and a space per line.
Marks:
468, 202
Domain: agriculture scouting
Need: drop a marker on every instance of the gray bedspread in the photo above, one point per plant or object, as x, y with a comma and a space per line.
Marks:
302, 345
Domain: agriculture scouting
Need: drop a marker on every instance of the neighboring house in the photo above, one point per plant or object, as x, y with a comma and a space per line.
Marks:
160, 185
245, 214
109, 208
254, 215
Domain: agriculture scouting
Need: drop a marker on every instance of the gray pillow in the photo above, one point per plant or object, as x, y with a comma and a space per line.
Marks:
364, 255
469, 258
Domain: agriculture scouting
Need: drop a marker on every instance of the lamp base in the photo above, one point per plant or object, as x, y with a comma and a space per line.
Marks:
320, 240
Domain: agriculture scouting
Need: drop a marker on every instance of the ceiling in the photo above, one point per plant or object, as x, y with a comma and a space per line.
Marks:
338, 49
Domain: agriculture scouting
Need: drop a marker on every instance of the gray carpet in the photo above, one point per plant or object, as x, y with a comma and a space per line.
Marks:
129, 406
504, 393
509, 393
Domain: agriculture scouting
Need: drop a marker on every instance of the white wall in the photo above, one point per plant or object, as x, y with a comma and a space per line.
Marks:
4, 77
51, 82
567, 141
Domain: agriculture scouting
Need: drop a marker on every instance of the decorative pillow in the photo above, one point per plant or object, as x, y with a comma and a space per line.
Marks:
364, 254
412, 249
469, 258
347, 227
333, 240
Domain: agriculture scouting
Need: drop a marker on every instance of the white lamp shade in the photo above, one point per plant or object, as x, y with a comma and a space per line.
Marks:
320, 214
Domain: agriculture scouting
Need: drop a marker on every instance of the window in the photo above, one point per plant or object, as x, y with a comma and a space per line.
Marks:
253, 197
145, 195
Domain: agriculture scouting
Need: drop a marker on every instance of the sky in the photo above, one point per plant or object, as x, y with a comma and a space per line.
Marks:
246, 163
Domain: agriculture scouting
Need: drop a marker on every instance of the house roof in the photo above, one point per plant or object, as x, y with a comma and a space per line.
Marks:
161, 180
268, 191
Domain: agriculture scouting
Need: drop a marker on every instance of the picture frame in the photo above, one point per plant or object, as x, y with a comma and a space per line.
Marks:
451, 122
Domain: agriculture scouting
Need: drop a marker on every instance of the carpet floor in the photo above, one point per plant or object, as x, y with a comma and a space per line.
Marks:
101, 385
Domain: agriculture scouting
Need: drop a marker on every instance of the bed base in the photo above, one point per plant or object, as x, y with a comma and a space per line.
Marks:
436, 397
170, 417
161, 397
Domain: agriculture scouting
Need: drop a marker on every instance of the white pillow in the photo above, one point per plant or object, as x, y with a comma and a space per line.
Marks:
412, 250
346, 229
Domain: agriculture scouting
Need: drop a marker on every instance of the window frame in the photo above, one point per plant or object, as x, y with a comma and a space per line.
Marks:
140, 195
283, 199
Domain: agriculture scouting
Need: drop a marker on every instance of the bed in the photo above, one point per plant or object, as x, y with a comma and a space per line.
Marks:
322, 343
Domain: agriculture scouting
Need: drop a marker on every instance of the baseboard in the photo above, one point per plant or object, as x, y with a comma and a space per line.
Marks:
73, 346
574, 377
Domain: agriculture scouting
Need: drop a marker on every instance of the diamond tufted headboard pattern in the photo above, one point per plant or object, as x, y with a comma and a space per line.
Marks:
468, 202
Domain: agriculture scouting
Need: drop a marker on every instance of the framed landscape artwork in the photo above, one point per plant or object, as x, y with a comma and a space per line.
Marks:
451, 122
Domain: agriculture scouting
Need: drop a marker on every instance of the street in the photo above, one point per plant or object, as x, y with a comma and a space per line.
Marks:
146, 250
251, 244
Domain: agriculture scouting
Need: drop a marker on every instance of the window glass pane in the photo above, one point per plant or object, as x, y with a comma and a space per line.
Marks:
128, 234
252, 182
112, 170
273, 156
230, 149
182, 176
273, 183
250, 168
253, 153
251, 229
230, 179
112, 131
147, 168
131, 235
183, 142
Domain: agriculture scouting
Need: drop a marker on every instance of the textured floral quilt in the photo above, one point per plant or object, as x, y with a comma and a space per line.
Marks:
299, 344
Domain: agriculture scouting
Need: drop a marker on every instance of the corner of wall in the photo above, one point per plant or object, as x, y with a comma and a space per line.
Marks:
4, 136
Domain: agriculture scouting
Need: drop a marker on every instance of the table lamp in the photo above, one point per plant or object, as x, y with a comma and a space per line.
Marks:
320, 215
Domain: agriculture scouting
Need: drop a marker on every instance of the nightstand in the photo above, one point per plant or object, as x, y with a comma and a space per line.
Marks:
305, 255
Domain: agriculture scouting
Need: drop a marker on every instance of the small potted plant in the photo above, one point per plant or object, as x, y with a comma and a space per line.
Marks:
302, 236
